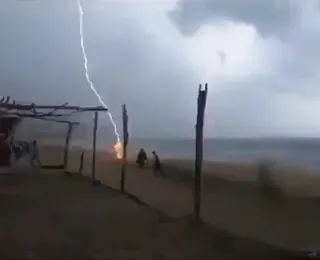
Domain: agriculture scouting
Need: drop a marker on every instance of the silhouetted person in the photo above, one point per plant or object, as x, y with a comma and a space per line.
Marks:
265, 170
141, 158
27, 147
17, 150
34, 159
81, 162
157, 164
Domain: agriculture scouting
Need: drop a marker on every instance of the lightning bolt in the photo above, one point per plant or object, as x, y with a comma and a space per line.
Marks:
118, 144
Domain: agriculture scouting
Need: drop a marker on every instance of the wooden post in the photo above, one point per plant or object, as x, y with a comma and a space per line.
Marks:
124, 147
202, 96
94, 145
66, 146
81, 162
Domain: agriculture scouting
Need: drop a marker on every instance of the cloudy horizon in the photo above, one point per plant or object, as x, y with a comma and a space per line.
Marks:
258, 57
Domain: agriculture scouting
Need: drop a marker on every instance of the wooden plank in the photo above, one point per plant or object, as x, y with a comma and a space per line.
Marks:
202, 96
124, 147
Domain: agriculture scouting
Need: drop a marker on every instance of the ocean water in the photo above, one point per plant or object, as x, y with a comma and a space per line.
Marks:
304, 152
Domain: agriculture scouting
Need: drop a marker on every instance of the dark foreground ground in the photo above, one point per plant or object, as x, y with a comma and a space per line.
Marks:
48, 215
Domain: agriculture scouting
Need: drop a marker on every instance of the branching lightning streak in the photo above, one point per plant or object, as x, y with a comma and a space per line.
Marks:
87, 71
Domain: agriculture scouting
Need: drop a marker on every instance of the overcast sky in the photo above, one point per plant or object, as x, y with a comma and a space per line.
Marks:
260, 58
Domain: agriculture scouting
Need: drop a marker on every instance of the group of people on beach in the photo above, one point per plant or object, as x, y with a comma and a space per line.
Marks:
142, 159
18, 149
21, 148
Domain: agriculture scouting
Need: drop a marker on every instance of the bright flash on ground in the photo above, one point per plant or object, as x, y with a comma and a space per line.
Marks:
118, 149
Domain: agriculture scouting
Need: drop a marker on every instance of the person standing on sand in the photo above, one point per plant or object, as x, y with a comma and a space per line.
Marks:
5, 152
265, 176
157, 164
141, 158
34, 155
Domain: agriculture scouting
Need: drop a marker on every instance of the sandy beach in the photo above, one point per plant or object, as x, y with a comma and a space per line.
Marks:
231, 198
47, 214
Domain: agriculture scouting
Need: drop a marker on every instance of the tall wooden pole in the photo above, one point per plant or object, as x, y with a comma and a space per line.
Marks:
66, 146
81, 162
124, 147
202, 97
94, 146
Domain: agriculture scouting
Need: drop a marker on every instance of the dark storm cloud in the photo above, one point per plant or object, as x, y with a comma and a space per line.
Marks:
267, 15
41, 61
295, 23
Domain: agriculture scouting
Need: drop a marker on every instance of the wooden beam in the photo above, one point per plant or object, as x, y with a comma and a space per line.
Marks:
34, 107
53, 120
26, 114
124, 147
202, 97
66, 146
57, 121
94, 146
41, 117
54, 110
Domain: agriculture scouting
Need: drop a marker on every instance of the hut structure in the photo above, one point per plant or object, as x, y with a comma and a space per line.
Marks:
12, 114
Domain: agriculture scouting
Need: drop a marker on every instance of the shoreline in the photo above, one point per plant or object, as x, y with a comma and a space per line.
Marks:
289, 155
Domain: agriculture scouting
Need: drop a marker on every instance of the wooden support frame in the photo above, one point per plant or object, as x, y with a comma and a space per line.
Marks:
30, 111
202, 97
39, 117
45, 107
124, 147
